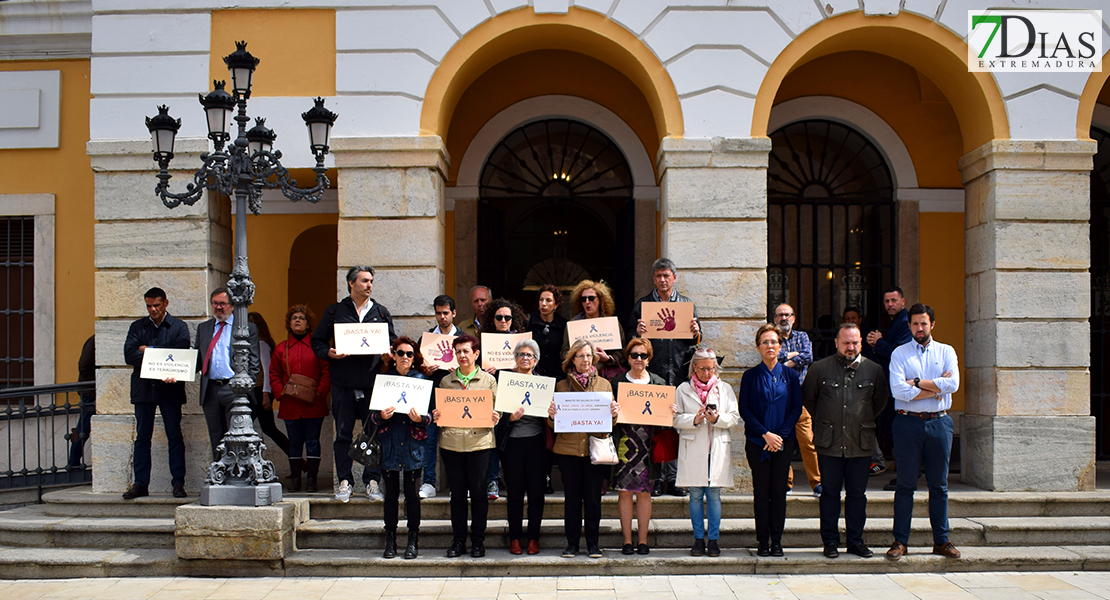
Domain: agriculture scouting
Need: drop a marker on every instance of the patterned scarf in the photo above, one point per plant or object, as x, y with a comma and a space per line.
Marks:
583, 379
703, 389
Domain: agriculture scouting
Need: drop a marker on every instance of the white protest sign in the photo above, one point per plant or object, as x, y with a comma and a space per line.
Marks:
402, 393
587, 412
361, 338
160, 363
532, 392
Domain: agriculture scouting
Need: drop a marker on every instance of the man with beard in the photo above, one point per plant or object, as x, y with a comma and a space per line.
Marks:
844, 393
797, 354
882, 346
923, 376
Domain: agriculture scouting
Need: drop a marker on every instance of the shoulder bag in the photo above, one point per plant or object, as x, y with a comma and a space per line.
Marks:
366, 449
603, 451
300, 388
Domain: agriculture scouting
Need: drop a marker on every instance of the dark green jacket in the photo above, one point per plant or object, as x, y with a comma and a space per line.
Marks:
844, 403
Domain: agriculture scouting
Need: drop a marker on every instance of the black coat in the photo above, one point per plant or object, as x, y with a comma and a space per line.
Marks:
669, 358
172, 333
355, 371
844, 403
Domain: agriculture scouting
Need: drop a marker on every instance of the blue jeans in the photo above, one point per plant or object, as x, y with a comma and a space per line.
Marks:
304, 432
917, 443
430, 446
712, 497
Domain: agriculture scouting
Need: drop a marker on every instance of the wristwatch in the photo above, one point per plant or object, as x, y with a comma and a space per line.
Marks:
917, 382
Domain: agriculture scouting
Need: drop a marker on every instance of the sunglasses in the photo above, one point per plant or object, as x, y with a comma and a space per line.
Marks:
502, 317
403, 354
589, 298
638, 355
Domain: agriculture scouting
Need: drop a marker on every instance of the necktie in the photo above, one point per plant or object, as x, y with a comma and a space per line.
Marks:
211, 347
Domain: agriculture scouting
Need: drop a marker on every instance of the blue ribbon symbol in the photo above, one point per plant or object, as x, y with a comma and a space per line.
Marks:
527, 400
507, 345
365, 343
647, 408
169, 358
402, 399
466, 413
593, 328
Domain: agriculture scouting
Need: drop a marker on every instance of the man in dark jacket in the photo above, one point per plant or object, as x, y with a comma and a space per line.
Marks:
844, 393
157, 330
352, 375
894, 302
669, 356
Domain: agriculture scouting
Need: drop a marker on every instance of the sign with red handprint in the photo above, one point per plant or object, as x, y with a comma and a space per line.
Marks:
436, 349
668, 320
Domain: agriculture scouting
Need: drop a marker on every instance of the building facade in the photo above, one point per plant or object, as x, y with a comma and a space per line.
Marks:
782, 150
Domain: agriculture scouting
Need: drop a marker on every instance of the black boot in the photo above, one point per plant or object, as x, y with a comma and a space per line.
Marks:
313, 466
295, 474
411, 549
390, 544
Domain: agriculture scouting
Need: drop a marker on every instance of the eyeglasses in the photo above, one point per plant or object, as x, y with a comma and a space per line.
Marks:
583, 357
589, 298
220, 304
403, 354
783, 315
502, 317
769, 343
704, 369
525, 356
638, 355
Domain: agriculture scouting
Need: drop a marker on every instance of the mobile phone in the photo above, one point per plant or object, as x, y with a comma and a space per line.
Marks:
710, 407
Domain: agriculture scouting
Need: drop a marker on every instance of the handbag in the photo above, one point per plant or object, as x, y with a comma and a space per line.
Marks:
301, 388
603, 451
664, 445
366, 449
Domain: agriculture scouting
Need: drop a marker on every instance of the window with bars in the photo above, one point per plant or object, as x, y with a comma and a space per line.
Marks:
17, 291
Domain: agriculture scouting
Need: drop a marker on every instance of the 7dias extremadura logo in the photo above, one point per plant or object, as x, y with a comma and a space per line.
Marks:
1034, 41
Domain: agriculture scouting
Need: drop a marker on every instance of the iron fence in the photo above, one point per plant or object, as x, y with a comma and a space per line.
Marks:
46, 429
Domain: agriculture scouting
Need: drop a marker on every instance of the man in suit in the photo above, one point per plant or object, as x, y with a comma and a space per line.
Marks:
214, 338
156, 330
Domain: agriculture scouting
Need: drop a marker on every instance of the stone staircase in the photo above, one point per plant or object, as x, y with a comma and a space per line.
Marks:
76, 533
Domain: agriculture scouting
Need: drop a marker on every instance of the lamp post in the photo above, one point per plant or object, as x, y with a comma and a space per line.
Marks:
243, 168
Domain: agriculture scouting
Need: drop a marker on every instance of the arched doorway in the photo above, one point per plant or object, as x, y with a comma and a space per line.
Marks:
1100, 290
831, 226
555, 206
312, 268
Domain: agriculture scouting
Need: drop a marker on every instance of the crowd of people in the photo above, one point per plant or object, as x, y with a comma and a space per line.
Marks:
830, 409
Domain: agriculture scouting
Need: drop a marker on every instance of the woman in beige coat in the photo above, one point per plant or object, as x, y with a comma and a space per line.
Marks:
706, 410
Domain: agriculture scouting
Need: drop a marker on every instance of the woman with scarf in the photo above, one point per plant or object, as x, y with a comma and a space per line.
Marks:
465, 452
581, 478
402, 439
594, 301
770, 403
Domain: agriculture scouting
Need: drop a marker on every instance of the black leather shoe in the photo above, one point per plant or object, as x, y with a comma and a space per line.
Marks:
776, 549
390, 545
627, 550
412, 550
698, 549
831, 551
676, 491
457, 549
135, 491
643, 549
478, 550
764, 549
570, 552
861, 550
179, 490
713, 549
892, 486
594, 551
657, 488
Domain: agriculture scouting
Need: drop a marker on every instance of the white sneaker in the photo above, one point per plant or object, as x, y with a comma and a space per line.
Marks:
427, 491
373, 493
344, 493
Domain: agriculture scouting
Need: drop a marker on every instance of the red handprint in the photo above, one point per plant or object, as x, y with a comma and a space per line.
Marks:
446, 352
668, 320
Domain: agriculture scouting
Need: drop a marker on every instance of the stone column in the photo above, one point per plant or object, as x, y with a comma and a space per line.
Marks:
1027, 423
391, 216
714, 227
140, 244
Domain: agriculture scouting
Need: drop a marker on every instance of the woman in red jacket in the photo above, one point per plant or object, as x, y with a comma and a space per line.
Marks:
303, 420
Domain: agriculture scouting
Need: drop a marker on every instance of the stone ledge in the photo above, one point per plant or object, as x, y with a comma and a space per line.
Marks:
1039, 155
137, 155
414, 151
235, 532
712, 152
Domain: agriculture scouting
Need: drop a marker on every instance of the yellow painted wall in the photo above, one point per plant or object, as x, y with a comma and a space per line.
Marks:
941, 244
269, 240
907, 100
65, 172
541, 73
296, 48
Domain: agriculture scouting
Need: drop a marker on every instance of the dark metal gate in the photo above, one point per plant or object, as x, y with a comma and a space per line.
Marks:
1100, 291
17, 300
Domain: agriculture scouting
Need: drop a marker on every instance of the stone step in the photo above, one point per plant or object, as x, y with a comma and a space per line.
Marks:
31, 526
18, 563
735, 533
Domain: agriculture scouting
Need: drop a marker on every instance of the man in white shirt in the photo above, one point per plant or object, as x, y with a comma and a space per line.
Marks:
923, 375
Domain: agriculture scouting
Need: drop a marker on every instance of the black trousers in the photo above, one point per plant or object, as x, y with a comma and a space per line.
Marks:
467, 473
345, 409
412, 499
523, 463
266, 423
851, 474
581, 487
144, 431
769, 490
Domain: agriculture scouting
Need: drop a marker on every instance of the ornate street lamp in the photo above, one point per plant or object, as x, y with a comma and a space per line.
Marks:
240, 476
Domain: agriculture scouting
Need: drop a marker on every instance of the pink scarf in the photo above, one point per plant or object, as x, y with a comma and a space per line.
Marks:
703, 389
583, 379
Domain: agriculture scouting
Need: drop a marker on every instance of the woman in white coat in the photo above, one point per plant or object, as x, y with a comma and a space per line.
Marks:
706, 409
